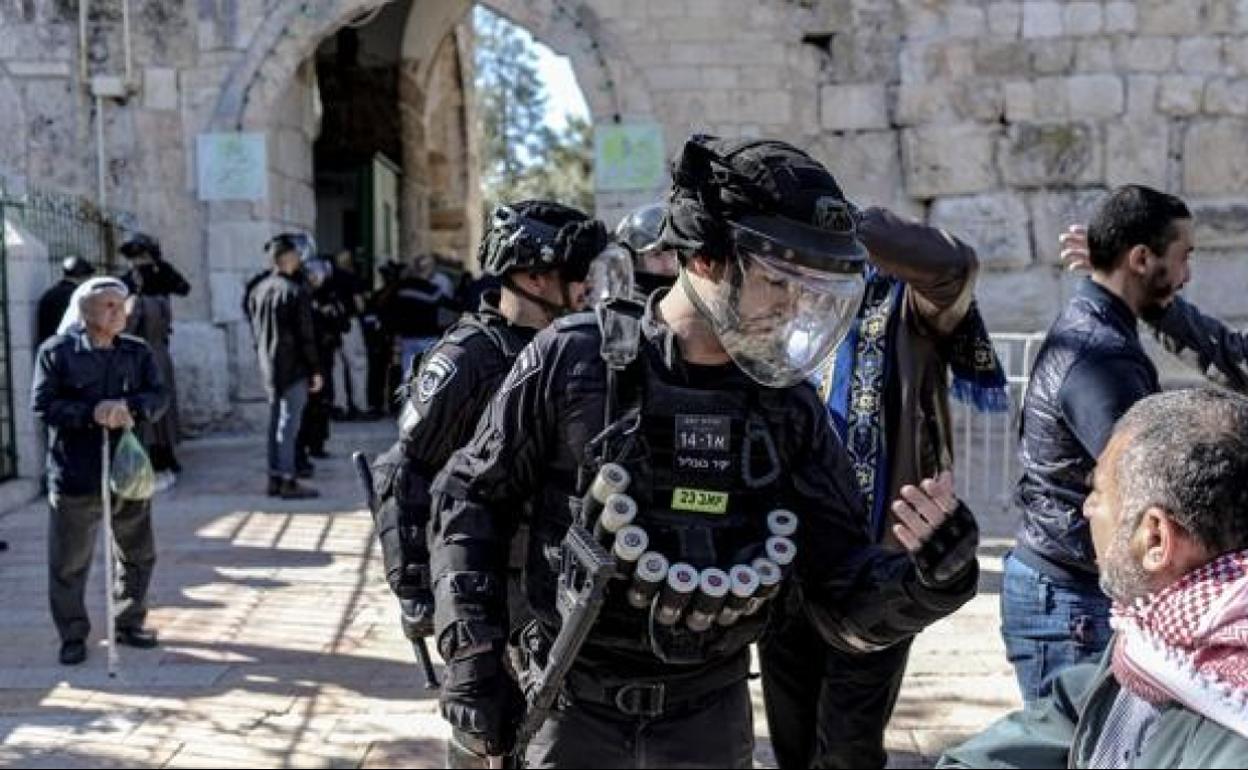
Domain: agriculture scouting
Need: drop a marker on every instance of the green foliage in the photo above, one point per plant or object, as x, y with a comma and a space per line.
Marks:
522, 157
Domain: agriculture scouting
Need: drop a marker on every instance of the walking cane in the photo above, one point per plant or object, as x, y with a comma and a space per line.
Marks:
106, 495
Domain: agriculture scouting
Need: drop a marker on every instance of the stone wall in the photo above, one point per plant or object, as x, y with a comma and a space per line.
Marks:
999, 119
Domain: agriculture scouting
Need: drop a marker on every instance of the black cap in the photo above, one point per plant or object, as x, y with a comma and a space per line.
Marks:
77, 267
767, 187
138, 244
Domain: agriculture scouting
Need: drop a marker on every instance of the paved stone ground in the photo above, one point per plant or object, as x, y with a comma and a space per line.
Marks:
281, 647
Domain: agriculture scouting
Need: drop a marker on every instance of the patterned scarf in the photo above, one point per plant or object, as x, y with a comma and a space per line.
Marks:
853, 387
1189, 643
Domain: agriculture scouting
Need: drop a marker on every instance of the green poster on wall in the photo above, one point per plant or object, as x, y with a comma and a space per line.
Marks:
629, 157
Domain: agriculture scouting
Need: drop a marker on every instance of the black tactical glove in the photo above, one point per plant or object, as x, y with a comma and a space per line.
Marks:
950, 551
482, 703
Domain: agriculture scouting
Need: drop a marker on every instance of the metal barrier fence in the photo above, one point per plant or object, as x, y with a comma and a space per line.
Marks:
65, 225
986, 445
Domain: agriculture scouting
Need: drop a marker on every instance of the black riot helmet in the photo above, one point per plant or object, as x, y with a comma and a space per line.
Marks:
779, 222
300, 243
639, 231
653, 266
77, 267
540, 236
139, 244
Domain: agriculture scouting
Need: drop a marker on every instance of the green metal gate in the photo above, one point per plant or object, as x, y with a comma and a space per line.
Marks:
66, 225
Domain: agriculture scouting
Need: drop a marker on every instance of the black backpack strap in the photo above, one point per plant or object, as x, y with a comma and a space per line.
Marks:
619, 323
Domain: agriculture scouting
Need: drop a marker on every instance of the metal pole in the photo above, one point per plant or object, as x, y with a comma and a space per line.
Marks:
106, 496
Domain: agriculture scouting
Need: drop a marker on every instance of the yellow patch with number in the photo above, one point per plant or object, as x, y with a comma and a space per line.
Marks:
699, 500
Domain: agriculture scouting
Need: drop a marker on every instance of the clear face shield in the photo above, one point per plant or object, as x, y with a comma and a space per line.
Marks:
777, 315
610, 276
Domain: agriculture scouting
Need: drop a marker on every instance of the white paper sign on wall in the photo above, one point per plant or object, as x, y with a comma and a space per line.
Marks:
232, 167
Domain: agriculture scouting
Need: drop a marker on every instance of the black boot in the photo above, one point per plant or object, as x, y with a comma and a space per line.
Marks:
293, 490
275, 486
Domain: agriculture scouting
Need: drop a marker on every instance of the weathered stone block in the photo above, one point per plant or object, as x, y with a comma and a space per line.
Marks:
1042, 18
160, 89
721, 77
1120, 16
1095, 96
1213, 161
1020, 101
1083, 18
1226, 96
948, 160
673, 78
1218, 281
995, 224
1199, 55
867, 165
1136, 151
947, 101
1166, 17
1220, 224
853, 107
1094, 54
40, 69
1002, 58
1034, 155
1235, 52
1052, 212
1005, 19
966, 21
1020, 301
202, 365
1052, 57
1146, 54
1142, 95
1180, 94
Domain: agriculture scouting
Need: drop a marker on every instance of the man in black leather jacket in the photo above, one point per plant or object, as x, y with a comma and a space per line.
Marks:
714, 420
1089, 372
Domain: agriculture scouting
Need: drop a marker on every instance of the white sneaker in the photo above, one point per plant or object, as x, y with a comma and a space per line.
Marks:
165, 480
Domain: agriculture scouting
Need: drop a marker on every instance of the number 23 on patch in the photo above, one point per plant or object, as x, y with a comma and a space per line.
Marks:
699, 500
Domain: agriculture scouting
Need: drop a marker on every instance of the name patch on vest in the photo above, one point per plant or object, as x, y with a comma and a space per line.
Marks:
703, 443
699, 500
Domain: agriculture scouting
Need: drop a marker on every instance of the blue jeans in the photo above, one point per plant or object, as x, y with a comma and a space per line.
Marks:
285, 416
1049, 626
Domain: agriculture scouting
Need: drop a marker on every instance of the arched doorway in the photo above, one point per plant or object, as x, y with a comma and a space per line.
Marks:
274, 91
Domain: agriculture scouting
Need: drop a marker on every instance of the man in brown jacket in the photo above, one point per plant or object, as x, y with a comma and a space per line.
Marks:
887, 392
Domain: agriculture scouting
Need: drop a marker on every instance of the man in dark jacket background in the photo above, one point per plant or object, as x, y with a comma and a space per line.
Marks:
280, 311
54, 301
88, 377
1089, 372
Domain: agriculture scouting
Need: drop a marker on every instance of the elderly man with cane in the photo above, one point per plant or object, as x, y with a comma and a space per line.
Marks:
91, 383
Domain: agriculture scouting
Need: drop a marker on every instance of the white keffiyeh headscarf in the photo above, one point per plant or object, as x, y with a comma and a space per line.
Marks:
72, 322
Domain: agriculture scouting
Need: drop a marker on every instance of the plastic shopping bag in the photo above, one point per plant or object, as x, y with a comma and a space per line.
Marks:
132, 476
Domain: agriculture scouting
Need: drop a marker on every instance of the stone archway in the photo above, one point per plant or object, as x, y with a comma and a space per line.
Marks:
256, 85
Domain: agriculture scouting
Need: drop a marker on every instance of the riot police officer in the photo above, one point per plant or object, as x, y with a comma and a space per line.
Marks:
739, 488
653, 266
541, 251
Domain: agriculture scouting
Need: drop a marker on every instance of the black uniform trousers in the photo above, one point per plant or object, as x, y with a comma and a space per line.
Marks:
827, 708
73, 534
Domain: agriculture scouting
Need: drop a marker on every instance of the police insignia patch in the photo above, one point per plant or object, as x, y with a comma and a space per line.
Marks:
526, 366
434, 376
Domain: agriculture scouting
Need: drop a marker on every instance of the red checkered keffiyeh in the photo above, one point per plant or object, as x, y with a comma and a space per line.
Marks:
1189, 643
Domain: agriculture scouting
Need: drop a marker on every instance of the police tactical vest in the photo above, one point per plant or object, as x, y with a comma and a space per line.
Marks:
705, 471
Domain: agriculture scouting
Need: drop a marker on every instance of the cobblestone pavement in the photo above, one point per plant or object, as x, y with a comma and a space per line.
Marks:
280, 646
